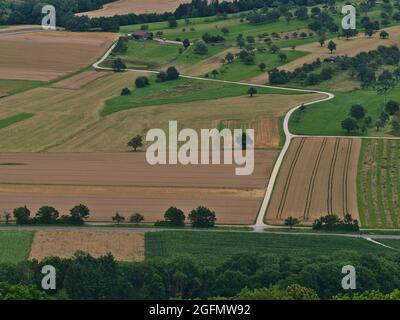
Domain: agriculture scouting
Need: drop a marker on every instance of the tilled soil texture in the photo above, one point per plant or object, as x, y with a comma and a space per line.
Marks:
123, 245
317, 177
49, 55
124, 182
379, 183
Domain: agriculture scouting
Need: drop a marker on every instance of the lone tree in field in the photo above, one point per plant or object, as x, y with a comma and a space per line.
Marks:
331, 46
22, 215
200, 47
136, 218
262, 66
321, 40
291, 222
79, 214
282, 56
251, 92
7, 216
118, 218
142, 82
118, 65
172, 74
369, 32
357, 111
229, 57
136, 142
125, 92
174, 217
202, 217
384, 34
349, 124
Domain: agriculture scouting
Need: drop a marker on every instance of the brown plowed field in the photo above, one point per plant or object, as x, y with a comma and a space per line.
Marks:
49, 55
317, 177
123, 245
107, 183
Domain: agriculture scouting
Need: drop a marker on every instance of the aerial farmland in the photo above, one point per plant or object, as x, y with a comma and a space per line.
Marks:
190, 150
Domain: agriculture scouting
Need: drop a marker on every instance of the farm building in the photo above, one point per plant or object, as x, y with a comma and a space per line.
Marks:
141, 35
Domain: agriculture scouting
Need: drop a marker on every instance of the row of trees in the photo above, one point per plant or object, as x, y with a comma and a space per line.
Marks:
49, 215
200, 217
242, 276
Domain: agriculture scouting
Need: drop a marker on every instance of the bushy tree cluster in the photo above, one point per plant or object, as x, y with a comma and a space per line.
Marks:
332, 222
50, 215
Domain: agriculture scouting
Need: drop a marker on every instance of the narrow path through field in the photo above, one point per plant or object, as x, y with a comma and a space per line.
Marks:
260, 224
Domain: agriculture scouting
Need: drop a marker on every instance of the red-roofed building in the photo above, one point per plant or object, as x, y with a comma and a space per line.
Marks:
141, 35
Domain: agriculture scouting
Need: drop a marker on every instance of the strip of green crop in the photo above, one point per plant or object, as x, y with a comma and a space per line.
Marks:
378, 161
14, 119
389, 190
361, 195
370, 193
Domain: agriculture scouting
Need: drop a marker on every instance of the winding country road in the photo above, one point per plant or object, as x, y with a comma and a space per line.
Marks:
260, 224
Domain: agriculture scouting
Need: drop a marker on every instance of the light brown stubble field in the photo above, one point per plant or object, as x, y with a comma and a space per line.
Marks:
317, 177
123, 245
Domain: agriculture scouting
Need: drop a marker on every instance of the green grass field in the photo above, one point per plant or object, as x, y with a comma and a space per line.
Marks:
214, 247
378, 183
179, 91
14, 119
214, 26
147, 54
325, 118
8, 87
15, 246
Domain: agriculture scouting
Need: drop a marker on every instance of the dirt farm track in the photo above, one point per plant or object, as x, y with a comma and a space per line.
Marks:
124, 182
317, 177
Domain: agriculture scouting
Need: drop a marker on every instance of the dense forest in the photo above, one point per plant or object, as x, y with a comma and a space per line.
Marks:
186, 277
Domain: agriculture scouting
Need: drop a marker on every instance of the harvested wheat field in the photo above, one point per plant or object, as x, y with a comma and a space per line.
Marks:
349, 47
49, 55
70, 120
266, 130
135, 6
107, 183
79, 81
317, 177
123, 245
